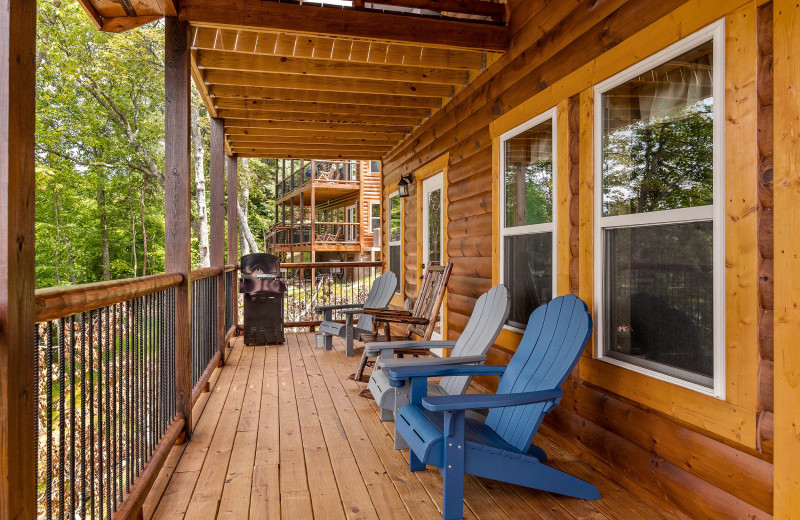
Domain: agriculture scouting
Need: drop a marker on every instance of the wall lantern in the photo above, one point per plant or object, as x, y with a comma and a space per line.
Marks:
402, 186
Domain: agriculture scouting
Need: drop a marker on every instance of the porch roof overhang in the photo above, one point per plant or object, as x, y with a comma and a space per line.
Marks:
295, 80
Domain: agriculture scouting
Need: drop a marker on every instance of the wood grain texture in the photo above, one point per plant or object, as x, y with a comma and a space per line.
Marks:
177, 206
17, 360
216, 173
786, 26
354, 23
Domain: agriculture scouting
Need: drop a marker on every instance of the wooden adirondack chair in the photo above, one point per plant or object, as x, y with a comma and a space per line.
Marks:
488, 317
420, 321
379, 296
500, 448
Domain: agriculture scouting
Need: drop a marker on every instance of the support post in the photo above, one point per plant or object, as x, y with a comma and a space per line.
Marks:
786, 185
177, 196
232, 171
17, 355
217, 240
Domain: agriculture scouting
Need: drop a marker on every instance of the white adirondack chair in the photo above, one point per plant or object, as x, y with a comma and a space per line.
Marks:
488, 317
378, 298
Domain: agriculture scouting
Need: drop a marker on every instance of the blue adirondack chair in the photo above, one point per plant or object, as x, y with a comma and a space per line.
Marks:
499, 448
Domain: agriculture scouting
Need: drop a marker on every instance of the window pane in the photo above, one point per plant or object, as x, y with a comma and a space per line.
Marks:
376, 210
658, 138
660, 298
394, 263
528, 274
529, 176
394, 219
435, 226
374, 166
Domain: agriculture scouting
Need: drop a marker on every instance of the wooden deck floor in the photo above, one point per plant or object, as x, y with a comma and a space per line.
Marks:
283, 434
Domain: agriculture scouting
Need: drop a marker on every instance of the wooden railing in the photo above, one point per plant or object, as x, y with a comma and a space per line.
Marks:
312, 284
106, 385
334, 172
328, 233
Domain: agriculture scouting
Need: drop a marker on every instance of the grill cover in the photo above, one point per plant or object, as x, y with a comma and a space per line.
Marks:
260, 274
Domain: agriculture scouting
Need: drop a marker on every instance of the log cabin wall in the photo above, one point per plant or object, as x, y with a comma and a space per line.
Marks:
694, 455
370, 192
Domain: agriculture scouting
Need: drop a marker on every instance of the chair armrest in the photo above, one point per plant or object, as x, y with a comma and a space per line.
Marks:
388, 313
374, 348
425, 362
397, 376
351, 311
323, 308
452, 403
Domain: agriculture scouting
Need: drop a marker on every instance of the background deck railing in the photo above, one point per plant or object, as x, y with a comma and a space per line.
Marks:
107, 412
338, 172
312, 284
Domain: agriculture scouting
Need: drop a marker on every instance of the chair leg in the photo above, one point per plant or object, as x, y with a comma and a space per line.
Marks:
361, 365
349, 336
387, 414
401, 444
453, 468
414, 464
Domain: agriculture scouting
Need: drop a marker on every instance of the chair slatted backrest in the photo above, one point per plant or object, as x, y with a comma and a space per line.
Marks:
553, 342
379, 296
429, 299
487, 319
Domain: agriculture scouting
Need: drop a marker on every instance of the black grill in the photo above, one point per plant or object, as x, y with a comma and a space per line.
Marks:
263, 290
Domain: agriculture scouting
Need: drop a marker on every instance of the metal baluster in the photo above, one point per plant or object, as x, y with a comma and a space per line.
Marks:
72, 415
91, 415
137, 382
62, 417
48, 359
133, 428
114, 405
84, 445
107, 356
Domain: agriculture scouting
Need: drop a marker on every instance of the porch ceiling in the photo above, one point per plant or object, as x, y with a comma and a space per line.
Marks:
293, 80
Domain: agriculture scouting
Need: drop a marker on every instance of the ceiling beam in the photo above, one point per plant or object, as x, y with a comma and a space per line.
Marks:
125, 23
285, 94
221, 60
234, 133
335, 49
280, 115
323, 108
284, 155
310, 143
300, 125
293, 81
477, 7
304, 153
352, 23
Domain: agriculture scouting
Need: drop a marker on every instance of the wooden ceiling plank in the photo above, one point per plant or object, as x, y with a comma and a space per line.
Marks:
326, 83
94, 16
338, 49
126, 23
202, 88
282, 94
494, 10
327, 153
301, 125
245, 140
306, 133
302, 145
219, 60
273, 115
300, 156
311, 106
311, 19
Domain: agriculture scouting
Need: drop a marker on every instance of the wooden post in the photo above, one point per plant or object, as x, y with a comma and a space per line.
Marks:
216, 164
786, 185
177, 196
232, 171
17, 355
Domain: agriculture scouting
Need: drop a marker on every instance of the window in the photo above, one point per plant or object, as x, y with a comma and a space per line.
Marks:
527, 230
374, 166
375, 216
658, 258
395, 234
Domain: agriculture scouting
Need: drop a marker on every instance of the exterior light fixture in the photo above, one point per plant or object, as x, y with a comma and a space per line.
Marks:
402, 186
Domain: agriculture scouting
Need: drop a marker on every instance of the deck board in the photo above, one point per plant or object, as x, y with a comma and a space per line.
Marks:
284, 434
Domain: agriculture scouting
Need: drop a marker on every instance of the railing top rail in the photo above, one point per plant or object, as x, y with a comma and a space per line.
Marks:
205, 272
230, 267
322, 265
58, 302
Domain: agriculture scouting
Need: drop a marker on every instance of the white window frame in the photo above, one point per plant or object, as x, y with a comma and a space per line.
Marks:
389, 241
372, 204
370, 167
533, 228
714, 212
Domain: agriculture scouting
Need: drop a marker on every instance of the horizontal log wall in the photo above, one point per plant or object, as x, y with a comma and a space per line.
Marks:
685, 469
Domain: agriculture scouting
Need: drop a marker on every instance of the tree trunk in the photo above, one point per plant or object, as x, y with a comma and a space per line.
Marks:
57, 249
200, 189
144, 237
101, 208
245, 235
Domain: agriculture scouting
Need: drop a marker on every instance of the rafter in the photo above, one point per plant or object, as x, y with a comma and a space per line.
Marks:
300, 125
477, 7
302, 152
310, 19
221, 60
292, 81
280, 115
321, 108
308, 143
234, 133
284, 94
336, 49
